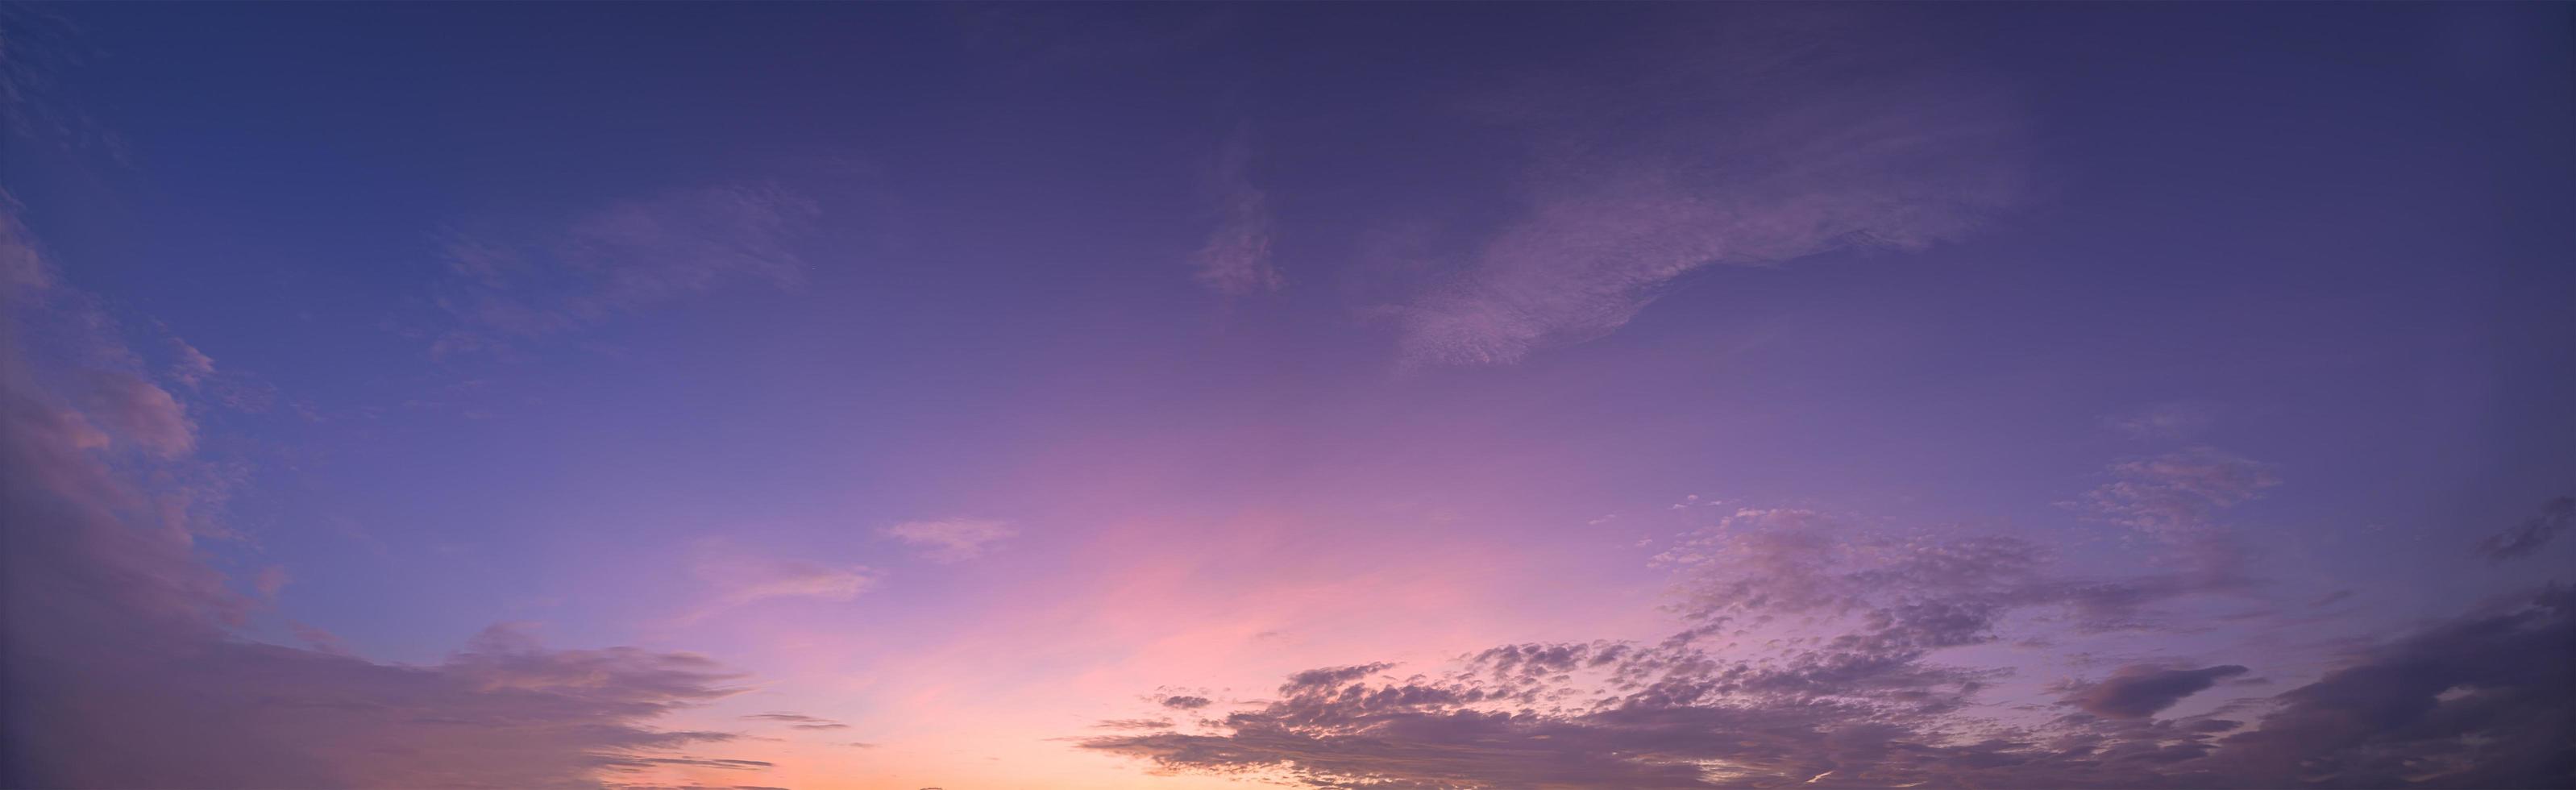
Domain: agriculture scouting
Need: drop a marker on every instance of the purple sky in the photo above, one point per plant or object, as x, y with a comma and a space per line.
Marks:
1357, 396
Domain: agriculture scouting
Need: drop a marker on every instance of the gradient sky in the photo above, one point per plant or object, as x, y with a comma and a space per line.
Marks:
1200, 396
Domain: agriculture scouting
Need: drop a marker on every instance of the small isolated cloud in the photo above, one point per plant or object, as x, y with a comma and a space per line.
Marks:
1236, 259
1186, 702
799, 721
951, 540
740, 580
2140, 691
2178, 420
2555, 517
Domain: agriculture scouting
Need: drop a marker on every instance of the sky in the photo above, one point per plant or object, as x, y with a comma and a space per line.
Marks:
1402, 396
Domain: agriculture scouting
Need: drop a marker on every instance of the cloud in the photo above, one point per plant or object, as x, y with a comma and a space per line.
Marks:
621, 259
951, 540
190, 366
1186, 702
1908, 592
123, 666
1236, 258
1134, 724
2172, 496
140, 413
2179, 420
2482, 701
2140, 691
2555, 516
738, 580
799, 721
1772, 140
196, 372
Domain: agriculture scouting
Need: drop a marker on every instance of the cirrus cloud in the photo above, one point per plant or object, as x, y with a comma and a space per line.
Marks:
951, 540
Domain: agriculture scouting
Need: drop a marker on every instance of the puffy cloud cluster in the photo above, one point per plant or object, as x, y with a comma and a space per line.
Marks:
1853, 696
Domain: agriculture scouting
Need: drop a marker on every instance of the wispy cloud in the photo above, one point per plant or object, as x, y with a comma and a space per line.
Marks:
1236, 258
799, 721
2171, 496
952, 540
2522, 541
738, 579
1768, 144
2177, 420
618, 260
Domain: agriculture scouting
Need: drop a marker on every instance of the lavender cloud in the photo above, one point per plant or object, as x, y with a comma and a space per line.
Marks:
1770, 143
2479, 701
2171, 496
2140, 691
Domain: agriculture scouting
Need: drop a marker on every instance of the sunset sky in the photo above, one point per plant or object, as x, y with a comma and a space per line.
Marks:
1581, 397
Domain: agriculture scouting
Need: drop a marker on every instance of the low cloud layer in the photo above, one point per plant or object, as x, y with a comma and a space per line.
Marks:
1815, 659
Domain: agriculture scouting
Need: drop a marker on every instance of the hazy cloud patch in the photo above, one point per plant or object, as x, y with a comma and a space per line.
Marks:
952, 540
617, 260
1236, 258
